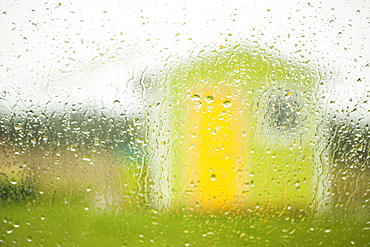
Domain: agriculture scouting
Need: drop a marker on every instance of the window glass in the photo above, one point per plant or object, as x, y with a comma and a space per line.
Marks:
184, 123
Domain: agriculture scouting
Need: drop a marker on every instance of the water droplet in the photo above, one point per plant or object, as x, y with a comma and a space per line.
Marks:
227, 103
213, 177
13, 181
29, 239
86, 158
195, 97
154, 211
215, 130
209, 99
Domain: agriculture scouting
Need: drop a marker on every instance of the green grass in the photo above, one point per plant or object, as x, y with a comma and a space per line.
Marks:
60, 224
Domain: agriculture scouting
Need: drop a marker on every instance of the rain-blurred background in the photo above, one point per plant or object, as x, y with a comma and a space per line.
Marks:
81, 86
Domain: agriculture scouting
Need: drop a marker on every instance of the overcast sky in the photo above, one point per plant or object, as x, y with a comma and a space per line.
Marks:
74, 51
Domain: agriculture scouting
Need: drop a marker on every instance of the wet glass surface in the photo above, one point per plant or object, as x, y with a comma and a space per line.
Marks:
177, 124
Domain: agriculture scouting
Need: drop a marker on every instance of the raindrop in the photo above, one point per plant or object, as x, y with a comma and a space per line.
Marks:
195, 97
209, 99
213, 177
13, 181
86, 158
227, 103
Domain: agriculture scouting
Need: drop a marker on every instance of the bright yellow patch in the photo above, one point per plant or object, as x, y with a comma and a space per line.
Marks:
215, 149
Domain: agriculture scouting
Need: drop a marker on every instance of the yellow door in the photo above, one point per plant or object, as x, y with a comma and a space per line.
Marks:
215, 148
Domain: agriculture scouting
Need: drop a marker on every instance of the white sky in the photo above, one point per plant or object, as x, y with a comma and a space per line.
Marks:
87, 51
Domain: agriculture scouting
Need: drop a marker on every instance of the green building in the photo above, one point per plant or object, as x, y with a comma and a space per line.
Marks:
242, 127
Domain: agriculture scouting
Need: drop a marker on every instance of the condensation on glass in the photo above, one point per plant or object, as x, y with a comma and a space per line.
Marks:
166, 124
